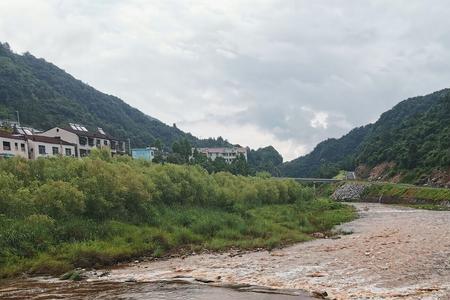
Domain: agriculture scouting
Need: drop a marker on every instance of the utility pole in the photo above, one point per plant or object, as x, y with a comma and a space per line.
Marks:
18, 118
129, 146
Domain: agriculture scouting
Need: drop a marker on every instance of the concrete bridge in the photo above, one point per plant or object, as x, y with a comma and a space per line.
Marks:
313, 180
349, 176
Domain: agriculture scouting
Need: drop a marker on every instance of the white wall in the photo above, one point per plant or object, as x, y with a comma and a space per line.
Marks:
74, 139
33, 147
13, 150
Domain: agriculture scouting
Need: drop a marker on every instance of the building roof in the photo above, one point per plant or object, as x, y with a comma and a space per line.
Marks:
222, 150
5, 134
91, 134
48, 140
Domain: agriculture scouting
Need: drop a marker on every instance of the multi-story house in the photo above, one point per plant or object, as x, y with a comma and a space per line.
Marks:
44, 146
227, 153
85, 140
13, 145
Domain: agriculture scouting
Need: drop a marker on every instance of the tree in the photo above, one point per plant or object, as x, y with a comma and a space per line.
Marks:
158, 144
183, 148
239, 166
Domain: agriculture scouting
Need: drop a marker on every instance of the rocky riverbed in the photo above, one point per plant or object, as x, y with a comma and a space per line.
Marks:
393, 253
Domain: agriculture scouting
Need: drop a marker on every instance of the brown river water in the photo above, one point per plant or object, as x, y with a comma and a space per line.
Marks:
46, 290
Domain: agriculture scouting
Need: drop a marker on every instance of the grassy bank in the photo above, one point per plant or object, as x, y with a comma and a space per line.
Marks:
58, 214
405, 191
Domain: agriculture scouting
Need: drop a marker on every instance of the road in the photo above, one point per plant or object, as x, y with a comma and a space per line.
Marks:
393, 253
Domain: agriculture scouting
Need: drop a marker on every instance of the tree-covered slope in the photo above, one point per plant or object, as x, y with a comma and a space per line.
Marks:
47, 96
265, 159
414, 135
328, 157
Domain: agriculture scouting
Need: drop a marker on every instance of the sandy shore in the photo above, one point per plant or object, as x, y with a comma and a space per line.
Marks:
393, 253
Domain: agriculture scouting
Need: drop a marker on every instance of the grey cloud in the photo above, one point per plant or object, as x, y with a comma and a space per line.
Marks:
291, 72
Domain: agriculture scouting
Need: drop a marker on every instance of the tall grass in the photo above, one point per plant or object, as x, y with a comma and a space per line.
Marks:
404, 191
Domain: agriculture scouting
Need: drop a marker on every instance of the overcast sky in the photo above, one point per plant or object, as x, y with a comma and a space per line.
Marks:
257, 72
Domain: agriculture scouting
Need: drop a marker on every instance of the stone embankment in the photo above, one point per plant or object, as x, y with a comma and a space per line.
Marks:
350, 192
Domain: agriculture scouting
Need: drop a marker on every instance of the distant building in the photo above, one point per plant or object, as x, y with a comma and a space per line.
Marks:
143, 153
44, 146
85, 140
13, 145
33, 146
227, 153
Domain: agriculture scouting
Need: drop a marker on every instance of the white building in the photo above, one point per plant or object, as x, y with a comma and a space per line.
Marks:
44, 146
85, 140
227, 153
144, 153
13, 145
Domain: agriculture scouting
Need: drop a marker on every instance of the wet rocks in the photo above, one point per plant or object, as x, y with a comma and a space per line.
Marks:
320, 294
318, 235
74, 275
349, 192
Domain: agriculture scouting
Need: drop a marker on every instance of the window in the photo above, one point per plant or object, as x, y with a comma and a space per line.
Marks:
105, 142
16, 146
83, 140
55, 150
98, 142
68, 152
22, 147
7, 146
91, 142
42, 149
83, 153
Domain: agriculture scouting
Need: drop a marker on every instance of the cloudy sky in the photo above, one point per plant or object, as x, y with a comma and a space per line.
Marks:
284, 72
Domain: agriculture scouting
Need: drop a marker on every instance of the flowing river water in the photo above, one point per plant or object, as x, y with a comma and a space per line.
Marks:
393, 253
46, 290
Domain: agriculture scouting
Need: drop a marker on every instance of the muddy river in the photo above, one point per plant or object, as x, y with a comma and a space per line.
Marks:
46, 290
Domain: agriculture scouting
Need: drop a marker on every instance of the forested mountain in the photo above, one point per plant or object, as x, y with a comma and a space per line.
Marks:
47, 96
328, 157
265, 159
414, 136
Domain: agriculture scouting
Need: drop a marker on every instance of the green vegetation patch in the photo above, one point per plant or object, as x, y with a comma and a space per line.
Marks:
60, 214
405, 191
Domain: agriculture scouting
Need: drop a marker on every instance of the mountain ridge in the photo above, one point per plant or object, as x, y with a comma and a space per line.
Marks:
412, 138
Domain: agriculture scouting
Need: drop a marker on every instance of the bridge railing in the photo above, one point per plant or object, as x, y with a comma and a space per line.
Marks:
313, 180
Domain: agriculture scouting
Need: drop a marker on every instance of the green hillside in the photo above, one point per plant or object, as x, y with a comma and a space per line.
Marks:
328, 157
47, 96
415, 135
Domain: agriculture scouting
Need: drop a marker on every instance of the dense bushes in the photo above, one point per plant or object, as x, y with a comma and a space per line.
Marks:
124, 189
62, 212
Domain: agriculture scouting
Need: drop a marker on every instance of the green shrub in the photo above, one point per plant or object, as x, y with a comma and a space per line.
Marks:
59, 200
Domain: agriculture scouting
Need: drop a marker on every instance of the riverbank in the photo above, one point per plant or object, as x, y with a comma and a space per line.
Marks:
389, 193
388, 256
60, 214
